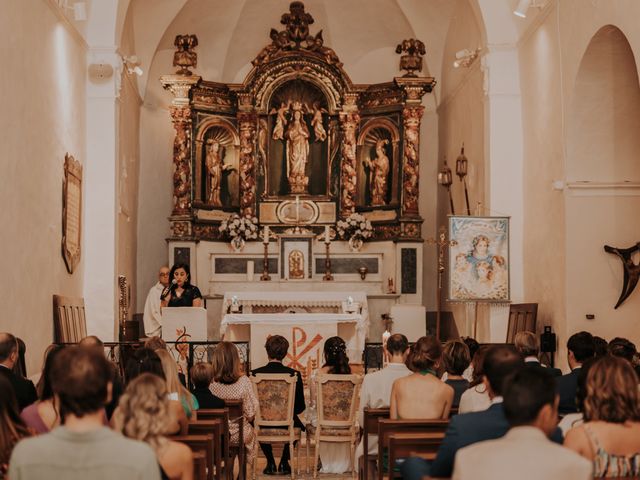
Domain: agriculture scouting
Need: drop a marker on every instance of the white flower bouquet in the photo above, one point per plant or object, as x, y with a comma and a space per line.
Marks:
244, 227
354, 226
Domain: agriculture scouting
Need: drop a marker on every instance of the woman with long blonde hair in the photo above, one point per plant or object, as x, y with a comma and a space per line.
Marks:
144, 414
177, 391
610, 436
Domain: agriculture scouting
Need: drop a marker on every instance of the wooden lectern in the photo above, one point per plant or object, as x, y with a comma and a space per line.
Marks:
186, 324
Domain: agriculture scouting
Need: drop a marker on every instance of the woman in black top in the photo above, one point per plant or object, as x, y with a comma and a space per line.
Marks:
181, 293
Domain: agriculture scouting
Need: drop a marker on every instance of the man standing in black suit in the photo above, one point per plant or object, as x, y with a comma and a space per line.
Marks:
580, 347
527, 344
277, 347
23, 388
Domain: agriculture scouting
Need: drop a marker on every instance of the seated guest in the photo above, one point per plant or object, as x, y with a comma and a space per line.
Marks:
230, 383
610, 436
527, 344
82, 447
621, 347
144, 360
601, 346
177, 391
476, 398
12, 427
525, 452
376, 387
499, 363
43, 415
580, 346
422, 394
23, 388
157, 343
277, 347
456, 361
94, 342
473, 346
201, 377
143, 414
571, 420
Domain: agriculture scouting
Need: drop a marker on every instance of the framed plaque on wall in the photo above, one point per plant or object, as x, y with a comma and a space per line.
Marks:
71, 212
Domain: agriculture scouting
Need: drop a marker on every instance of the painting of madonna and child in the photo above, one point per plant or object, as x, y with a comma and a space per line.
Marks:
479, 259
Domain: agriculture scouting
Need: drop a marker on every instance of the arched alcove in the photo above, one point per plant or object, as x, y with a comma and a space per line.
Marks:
604, 117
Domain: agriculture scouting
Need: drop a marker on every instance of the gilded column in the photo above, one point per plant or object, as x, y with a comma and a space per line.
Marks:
247, 126
411, 166
349, 122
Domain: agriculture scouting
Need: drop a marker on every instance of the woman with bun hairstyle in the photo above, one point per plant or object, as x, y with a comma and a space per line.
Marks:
422, 394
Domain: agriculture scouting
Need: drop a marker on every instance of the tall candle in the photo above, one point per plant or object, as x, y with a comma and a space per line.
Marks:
297, 208
327, 237
250, 268
265, 234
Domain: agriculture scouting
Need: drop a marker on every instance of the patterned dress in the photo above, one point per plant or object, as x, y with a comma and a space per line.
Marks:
241, 390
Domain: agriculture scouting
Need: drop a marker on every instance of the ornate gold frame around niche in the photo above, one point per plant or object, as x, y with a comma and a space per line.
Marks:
71, 212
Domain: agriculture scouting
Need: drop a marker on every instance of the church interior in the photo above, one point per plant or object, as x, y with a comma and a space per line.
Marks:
340, 167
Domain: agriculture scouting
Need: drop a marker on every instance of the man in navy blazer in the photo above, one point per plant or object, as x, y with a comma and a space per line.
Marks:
466, 429
277, 347
527, 344
580, 347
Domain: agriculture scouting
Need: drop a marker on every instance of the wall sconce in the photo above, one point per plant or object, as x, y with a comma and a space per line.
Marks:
523, 7
462, 164
445, 178
132, 64
363, 272
465, 57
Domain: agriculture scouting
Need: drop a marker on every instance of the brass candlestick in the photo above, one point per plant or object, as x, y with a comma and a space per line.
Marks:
265, 263
441, 243
327, 263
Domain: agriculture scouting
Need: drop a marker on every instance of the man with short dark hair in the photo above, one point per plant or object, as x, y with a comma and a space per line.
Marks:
82, 447
376, 386
23, 388
499, 363
525, 452
580, 347
277, 347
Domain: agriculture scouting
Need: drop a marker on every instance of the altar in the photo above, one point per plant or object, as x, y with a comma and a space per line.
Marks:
305, 319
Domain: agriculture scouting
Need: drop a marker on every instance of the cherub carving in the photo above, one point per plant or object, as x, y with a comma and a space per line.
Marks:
316, 122
185, 57
281, 120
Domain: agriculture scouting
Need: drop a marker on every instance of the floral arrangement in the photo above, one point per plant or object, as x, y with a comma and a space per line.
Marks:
244, 227
354, 226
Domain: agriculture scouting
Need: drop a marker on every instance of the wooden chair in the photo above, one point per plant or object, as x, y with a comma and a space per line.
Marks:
403, 445
337, 403
215, 428
370, 427
390, 427
199, 443
199, 466
222, 414
69, 321
522, 317
274, 416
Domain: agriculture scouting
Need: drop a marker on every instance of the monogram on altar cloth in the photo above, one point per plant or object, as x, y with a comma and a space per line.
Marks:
306, 319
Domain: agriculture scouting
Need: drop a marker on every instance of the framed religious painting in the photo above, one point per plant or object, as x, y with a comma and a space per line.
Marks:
71, 212
479, 259
295, 256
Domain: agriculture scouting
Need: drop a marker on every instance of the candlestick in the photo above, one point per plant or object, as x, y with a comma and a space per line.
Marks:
265, 263
250, 270
327, 259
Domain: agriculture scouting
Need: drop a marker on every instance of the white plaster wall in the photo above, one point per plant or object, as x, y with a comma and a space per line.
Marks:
43, 117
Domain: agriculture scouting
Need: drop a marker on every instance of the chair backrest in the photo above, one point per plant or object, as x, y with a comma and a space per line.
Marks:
199, 443
199, 466
69, 321
371, 417
522, 317
337, 399
215, 428
275, 393
403, 445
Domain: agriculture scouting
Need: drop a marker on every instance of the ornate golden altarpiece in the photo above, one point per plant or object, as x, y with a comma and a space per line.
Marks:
296, 132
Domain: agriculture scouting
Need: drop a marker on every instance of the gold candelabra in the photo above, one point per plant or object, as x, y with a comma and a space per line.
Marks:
442, 243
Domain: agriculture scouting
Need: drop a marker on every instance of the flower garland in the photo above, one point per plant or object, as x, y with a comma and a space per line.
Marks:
354, 226
244, 227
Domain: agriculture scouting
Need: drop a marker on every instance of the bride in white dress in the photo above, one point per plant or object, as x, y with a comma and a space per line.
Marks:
335, 457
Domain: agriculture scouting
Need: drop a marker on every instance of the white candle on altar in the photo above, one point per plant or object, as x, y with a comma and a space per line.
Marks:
297, 208
265, 234
385, 337
327, 236
250, 269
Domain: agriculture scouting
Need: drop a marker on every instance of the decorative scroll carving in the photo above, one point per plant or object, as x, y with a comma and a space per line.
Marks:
411, 170
411, 61
349, 126
185, 57
247, 124
181, 118
71, 212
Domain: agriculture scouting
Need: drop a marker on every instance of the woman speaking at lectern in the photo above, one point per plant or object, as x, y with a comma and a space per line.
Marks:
180, 292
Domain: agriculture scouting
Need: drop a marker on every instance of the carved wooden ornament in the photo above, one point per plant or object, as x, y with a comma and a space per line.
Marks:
71, 212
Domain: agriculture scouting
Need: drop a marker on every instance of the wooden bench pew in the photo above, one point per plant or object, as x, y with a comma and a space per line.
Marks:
367, 462
232, 413
199, 443
199, 466
215, 428
403, 445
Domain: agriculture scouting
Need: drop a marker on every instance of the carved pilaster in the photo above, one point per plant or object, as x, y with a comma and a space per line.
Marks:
180, 86
181, 118
247, 123
411, 164
349, 126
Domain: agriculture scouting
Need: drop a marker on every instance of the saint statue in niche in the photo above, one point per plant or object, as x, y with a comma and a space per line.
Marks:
296, 265
297, 137
215, 167
378, 174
